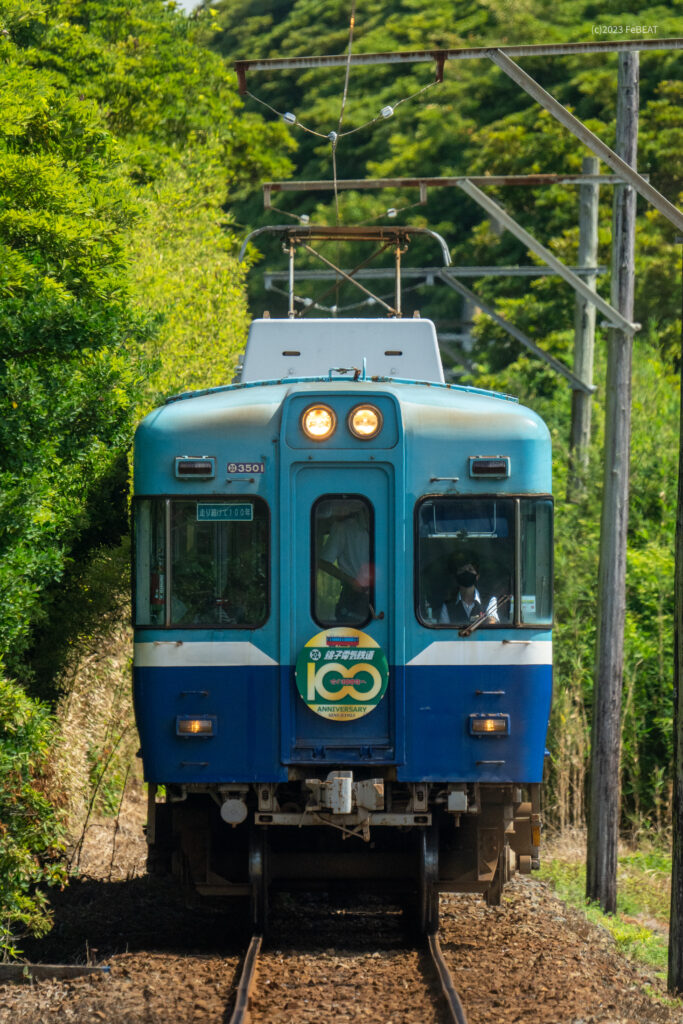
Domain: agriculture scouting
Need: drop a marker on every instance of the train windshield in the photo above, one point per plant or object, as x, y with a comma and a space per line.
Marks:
215, 574
470, 568
343, 561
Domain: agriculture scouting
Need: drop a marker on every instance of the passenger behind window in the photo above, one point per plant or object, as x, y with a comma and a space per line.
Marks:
348, 545
467, 604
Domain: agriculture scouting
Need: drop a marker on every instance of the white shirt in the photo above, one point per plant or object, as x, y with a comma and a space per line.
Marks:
491, 608
349, 545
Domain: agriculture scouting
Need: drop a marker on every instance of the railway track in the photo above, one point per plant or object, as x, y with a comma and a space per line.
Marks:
455, 1013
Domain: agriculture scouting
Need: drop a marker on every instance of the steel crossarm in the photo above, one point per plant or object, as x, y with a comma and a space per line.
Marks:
585, 135
614, 317
579, 385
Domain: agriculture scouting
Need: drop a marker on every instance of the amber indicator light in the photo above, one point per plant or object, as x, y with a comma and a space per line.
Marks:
490, 725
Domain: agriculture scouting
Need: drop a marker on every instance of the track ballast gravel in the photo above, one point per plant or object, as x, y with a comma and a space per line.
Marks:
533, 960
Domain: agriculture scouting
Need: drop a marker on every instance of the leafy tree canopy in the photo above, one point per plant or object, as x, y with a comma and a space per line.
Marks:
121, 139
476, 122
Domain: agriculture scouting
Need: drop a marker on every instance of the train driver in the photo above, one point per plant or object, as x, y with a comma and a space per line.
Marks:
467, 605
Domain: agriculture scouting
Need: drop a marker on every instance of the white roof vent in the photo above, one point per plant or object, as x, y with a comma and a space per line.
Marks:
311, 348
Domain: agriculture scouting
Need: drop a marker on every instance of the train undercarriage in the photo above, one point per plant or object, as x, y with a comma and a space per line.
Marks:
408, 840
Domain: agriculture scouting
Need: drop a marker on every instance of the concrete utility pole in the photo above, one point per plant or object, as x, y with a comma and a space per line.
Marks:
603, 828
584, 335
675, 980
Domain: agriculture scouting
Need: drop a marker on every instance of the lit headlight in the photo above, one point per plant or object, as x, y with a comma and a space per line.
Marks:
365, 421
318, 422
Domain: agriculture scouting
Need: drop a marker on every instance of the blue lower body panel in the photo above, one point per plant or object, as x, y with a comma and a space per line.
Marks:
434, 729
439, 703
245, 702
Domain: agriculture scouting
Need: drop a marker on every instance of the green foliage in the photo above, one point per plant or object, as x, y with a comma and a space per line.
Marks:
68, 383
119, 137
187, 274
30, 835
643, 879
475, 122
121, 140
648, 652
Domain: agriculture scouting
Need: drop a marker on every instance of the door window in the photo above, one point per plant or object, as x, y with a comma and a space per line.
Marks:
343, 561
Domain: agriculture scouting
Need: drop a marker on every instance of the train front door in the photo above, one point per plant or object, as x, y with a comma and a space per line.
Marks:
339, 580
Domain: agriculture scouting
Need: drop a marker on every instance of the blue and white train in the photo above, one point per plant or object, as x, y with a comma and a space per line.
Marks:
343, 611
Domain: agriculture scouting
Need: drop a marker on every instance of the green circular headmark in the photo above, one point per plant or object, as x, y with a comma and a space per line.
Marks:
342, 674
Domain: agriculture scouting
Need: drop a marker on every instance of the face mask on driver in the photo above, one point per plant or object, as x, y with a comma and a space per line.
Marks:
466, 578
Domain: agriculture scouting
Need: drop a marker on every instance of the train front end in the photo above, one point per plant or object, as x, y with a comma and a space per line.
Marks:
343, 609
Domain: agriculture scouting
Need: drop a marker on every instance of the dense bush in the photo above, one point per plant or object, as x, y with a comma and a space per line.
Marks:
30, 836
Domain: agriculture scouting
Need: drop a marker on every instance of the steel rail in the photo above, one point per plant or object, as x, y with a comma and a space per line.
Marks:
455, 1007
240, 1013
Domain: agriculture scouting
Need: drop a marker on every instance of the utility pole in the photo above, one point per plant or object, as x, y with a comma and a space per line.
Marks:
675, 979
584, 334
603, 827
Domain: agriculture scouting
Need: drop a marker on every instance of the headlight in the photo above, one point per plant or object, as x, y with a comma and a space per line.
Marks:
318, 422
365, 422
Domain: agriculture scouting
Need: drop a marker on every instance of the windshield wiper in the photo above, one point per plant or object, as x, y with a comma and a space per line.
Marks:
484, 617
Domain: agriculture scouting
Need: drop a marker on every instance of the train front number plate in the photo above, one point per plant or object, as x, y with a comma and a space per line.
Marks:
246, 467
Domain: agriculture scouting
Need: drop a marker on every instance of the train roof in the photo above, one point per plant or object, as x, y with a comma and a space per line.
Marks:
312, 351
429, 408
312, 348
442, 424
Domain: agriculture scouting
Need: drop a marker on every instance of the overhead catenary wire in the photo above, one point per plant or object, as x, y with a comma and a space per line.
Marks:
309, 303
292, 119
336, 135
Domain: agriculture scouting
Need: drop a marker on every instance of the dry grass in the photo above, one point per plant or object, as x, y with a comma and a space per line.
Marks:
94, 757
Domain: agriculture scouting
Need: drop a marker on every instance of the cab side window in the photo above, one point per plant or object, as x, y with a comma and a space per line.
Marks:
536, 561
465, 562
219, 563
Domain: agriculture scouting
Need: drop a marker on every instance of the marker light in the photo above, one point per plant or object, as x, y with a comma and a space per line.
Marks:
493, 467
490, 725
202, 468
194, 726
365, 422
318, 422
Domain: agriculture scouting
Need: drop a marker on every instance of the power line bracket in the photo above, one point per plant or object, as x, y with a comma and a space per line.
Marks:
440, 58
